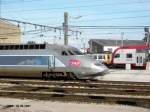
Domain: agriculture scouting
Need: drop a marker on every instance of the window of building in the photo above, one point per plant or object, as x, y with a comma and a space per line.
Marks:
129, 56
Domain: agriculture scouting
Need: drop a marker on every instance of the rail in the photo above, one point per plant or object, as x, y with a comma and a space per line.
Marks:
128, 93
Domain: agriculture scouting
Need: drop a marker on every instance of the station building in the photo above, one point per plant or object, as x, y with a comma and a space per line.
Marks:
9, 33
102, 45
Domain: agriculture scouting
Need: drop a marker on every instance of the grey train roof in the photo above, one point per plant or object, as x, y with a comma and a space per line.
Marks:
106, 42
30, 49
30, 46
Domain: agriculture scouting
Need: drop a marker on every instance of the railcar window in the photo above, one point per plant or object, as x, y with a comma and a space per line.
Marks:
108, 57
100, 57
1, 47
137, 59
6, 47
141, 59
104, 57
11, 46
129, 56
71, 53
117, 55
64, 53
25, 46
95, 57
21, 46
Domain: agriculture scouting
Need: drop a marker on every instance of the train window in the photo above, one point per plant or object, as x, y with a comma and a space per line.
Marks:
95, 56
129, 56
25, 46
108, 57
11, 47
137, 59
71, 53
64, 53
148, 57
100, 57
104, 57
21, 46
24, 60
77, 52
141, 59
117, 55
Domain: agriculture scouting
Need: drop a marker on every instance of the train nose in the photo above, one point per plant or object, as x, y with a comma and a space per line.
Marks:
99, 67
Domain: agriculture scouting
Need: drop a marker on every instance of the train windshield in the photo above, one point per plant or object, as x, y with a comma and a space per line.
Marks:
77, 52
71, 52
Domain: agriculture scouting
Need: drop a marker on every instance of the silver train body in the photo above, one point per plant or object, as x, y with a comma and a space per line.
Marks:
46, 60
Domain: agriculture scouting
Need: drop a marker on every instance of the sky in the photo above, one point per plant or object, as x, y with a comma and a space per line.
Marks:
81, 13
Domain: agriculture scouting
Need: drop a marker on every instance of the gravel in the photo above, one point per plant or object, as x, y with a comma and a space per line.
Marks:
127, 75
25, 105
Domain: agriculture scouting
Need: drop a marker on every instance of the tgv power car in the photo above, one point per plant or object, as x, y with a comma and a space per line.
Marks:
47, 61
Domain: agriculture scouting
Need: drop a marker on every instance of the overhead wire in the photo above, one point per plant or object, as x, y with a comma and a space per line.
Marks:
115, 18
40, 25
119, 12
24, 32
106, 19
110, 27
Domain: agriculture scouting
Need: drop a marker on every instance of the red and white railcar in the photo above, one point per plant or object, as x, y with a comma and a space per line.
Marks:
133, 55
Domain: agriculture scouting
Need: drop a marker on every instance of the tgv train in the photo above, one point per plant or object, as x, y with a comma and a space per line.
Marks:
47, 61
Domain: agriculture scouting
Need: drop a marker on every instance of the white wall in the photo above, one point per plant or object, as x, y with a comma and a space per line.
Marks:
106, 48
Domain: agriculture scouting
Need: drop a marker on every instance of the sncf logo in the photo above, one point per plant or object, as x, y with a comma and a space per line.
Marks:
74, 62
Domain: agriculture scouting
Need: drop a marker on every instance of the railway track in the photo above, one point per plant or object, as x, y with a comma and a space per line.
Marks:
129, 93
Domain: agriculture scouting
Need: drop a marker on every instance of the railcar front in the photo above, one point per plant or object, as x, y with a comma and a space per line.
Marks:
82, 66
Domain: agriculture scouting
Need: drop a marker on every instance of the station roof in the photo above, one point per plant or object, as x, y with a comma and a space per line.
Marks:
106, 42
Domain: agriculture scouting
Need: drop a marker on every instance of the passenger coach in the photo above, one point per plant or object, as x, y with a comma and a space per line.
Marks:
134, 55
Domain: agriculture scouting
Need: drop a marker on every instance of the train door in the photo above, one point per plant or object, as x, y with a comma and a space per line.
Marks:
51, 62
139, 59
